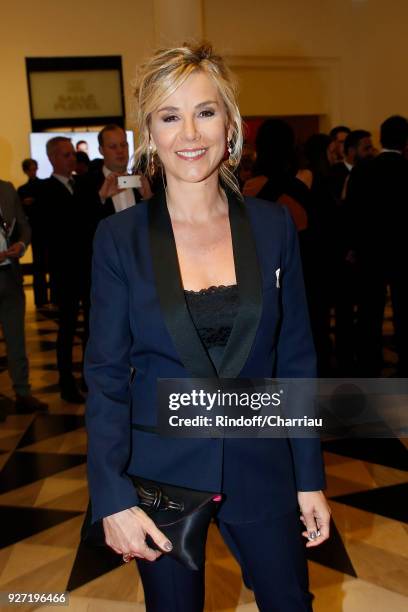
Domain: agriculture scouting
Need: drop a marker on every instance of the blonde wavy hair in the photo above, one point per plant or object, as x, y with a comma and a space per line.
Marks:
161, 75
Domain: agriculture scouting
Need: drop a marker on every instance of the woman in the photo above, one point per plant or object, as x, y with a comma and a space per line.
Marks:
275, 171
186, 285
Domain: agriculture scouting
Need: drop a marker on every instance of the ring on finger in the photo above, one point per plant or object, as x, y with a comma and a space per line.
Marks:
127, 557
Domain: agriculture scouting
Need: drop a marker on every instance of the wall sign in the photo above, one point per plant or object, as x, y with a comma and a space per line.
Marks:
75, 91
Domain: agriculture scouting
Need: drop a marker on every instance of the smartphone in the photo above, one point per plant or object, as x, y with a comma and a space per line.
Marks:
129, 181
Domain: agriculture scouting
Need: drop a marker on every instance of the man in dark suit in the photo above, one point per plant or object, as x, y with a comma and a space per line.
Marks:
99, 192
29, 198
358, 147
15, 236
378, 193
338, 136
68, 237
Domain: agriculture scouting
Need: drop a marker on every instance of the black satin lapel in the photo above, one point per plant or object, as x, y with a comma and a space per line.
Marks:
249, 281
171, 295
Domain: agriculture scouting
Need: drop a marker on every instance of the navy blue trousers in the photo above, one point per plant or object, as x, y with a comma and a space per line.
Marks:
271, 554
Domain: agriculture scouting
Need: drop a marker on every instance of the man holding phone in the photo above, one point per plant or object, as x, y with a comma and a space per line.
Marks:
106, 187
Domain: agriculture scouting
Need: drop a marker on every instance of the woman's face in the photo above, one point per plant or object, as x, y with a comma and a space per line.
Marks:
189, 130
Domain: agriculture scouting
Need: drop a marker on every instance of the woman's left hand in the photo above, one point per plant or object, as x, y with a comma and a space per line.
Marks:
315, 516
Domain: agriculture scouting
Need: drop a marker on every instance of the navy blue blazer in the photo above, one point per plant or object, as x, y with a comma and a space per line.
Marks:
141, 330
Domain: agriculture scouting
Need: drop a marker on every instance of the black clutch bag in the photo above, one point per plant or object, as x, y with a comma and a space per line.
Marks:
182, 514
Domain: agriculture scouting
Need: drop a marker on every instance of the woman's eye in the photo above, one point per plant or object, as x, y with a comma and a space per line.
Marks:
169, 118
207, 113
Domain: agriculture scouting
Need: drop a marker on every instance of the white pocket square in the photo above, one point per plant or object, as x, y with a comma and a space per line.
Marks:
277, 277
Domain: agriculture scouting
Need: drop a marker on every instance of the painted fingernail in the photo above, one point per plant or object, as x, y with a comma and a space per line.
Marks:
168, 546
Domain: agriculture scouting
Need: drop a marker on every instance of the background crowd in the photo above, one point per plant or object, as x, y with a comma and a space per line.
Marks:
349, 202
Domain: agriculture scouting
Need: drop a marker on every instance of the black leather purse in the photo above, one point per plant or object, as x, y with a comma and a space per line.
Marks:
182, 514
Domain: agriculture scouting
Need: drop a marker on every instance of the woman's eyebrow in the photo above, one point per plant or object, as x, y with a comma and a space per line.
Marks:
174, 109
206, 103
168, 109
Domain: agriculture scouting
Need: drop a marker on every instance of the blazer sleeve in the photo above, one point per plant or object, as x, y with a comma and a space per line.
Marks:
107, 373
296, 356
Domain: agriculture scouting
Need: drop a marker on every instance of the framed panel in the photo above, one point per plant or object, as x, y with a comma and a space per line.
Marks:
75, 91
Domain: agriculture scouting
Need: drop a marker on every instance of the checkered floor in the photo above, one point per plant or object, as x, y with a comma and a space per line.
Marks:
43, 496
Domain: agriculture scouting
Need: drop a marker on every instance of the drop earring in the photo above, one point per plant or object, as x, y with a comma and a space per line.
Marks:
152, 167
229, 149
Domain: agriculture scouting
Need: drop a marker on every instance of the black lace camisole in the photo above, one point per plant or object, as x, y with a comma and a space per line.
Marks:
213, 311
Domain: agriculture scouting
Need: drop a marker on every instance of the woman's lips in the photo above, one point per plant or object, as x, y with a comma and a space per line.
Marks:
191, 154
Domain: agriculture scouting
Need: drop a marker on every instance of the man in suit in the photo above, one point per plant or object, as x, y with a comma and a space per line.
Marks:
358, 147
338, 137
68, 238
29, 198
378, 193
15, 236
82, 146
100, 192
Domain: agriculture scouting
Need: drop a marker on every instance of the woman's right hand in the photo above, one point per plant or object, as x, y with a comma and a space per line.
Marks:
125, 533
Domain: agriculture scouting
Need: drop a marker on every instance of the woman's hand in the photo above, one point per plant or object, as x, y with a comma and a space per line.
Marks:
315, 516
125, 533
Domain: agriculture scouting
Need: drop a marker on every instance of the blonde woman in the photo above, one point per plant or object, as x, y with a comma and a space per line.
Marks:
199, 282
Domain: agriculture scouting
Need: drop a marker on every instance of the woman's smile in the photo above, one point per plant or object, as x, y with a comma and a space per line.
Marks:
191, 154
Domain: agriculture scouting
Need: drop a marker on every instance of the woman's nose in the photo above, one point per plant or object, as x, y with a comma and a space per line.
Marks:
190, 130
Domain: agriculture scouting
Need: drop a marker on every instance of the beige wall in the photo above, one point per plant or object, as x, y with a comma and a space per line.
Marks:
343, 59
53, 28
353, 50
